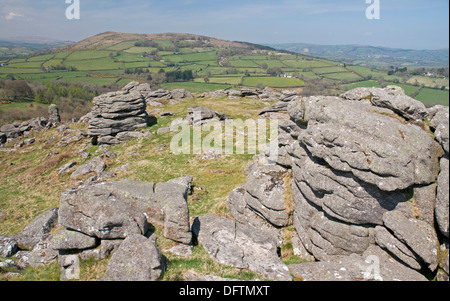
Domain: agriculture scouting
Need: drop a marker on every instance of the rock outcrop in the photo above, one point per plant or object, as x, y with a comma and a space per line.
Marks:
53, 113
391, 97
262, 202
360, 181
200, 115
19, 129
267, 94
240, 246
117, 209
369, 182
114, 115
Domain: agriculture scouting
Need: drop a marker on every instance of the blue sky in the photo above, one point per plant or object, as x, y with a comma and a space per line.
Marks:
416, 24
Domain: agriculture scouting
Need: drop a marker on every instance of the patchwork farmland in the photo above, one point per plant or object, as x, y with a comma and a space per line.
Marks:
113, 59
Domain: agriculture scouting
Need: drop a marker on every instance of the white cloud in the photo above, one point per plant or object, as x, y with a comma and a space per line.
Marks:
13, 15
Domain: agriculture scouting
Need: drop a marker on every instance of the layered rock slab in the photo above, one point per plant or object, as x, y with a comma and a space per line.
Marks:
137, 259
370, 142
117, 112
373, 265
117, 209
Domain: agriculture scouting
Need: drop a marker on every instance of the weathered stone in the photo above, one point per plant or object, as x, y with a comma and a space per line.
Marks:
240, 246
162, 203
96, 211
277, 107
35, 231
244, 215
215, 94
442, 200
172, 198
391, 97
181, 94
43, 253
72, 240
181, 250
388, 242
440, 123
424, 199
70, 267
265, 192
367, 141
374, 264
300, 250
443, 272
96, 165
270, 94
246, 92
137, 259
53, 112
11, 131
66, 167
106, 248
8, 246
341, 194
118, 112
303, 213
199, 115
43, 224
3, 138
418, 235
163, 130
191, 276
331, 237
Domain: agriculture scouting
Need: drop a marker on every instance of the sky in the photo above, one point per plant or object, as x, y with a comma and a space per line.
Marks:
410, 24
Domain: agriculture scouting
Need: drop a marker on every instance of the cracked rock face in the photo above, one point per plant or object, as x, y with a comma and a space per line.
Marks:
370, 142
391, 97
116, 209
93, 210
240, 246
368, 174
342, 195
416, 234
137, 259
116, 113
442, 200
374, 264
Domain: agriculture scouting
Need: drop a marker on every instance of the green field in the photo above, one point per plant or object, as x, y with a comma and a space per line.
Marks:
276, 82
345, 76
225, 67
195, 87
230, 80
432, 97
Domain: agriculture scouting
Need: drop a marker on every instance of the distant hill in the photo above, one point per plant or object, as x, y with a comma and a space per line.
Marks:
103, 40
370, 56
14, 47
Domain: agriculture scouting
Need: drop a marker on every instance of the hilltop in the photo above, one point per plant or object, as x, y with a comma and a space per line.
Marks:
107, 39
